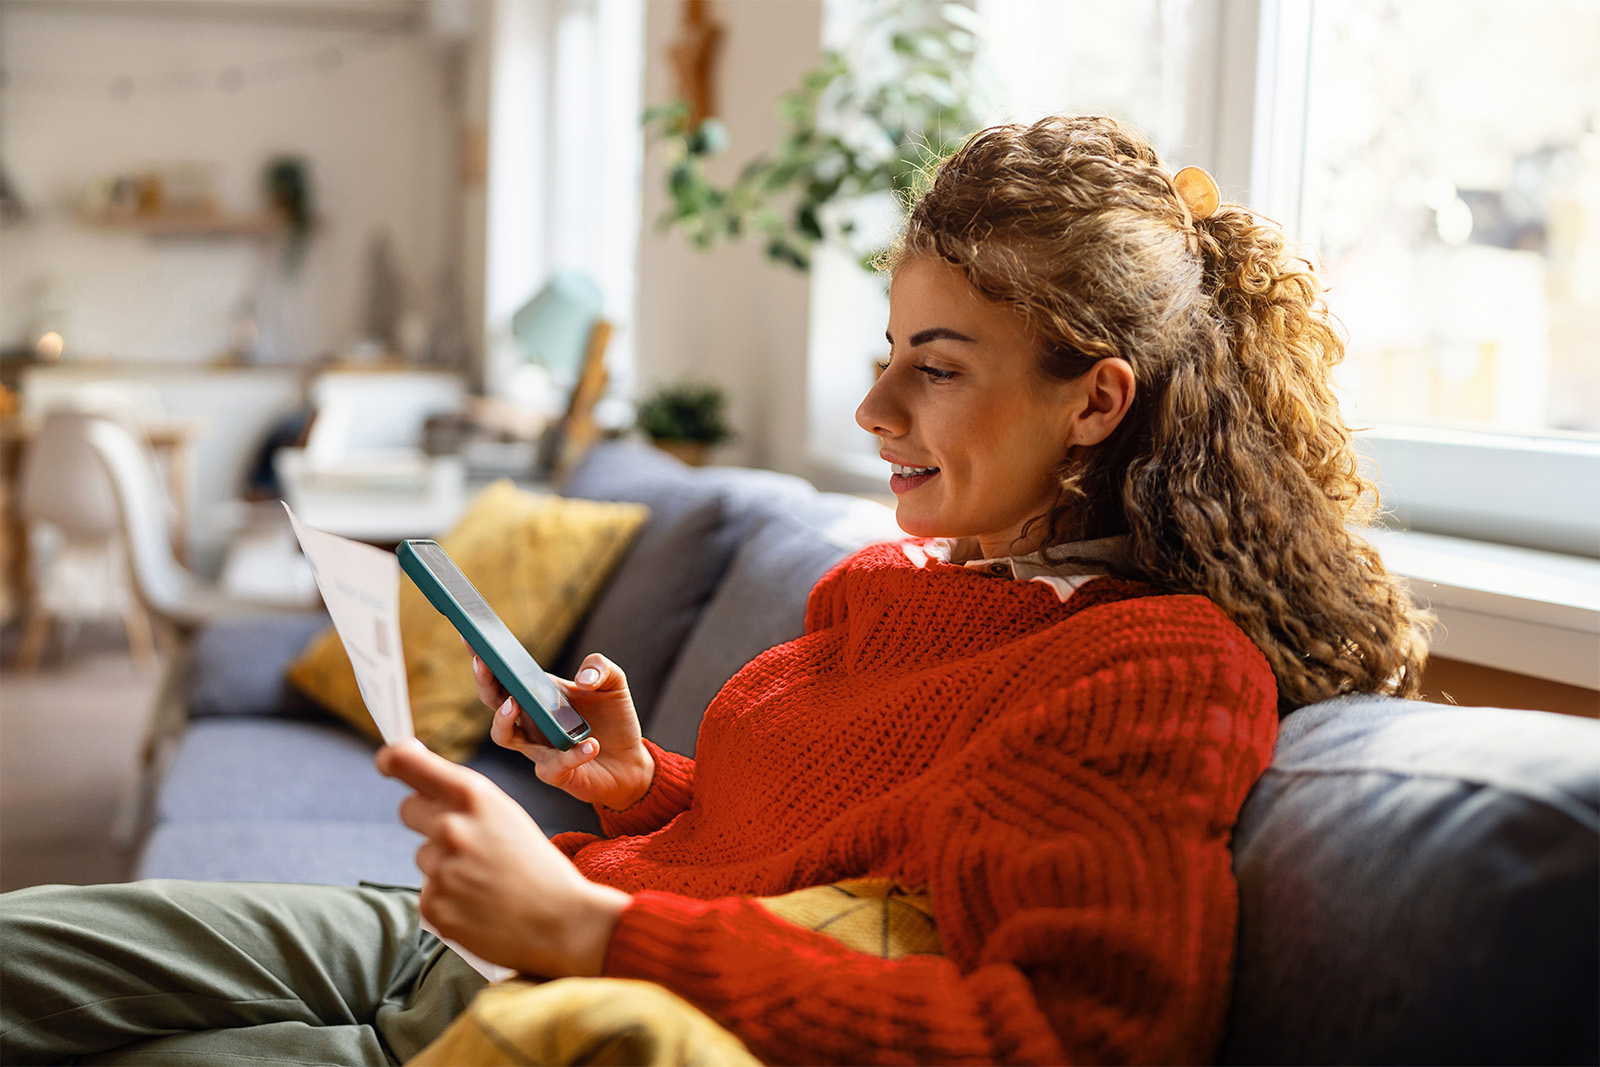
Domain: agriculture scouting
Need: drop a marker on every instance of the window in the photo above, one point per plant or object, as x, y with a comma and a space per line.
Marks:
1451, 185
1442, 160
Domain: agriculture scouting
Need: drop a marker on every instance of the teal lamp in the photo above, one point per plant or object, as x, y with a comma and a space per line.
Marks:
561, 330
553, 329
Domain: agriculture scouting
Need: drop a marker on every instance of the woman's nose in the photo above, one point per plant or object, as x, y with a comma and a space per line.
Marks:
880, 412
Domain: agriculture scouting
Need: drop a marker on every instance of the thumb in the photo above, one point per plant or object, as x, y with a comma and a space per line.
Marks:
599, 674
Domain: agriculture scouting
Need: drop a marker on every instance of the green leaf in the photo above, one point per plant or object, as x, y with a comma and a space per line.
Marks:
793, 109
673, 113
709, 138
680, 181
806, 221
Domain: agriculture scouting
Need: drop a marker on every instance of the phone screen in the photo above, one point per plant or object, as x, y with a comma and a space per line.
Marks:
493, 630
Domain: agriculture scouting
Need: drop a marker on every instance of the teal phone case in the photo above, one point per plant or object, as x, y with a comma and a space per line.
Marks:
544, 707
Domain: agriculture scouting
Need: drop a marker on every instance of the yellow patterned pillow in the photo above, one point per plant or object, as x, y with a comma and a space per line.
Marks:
539, 561
594, 1021
619, 1021
877, 916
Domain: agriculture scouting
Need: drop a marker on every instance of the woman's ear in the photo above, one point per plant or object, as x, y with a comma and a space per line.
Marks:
1104, 395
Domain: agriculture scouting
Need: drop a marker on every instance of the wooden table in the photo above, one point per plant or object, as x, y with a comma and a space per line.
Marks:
172, 439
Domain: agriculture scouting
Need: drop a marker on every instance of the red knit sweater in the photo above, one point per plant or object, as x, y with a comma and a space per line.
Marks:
1061, 777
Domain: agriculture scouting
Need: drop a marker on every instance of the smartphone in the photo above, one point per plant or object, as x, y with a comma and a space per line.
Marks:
544, 707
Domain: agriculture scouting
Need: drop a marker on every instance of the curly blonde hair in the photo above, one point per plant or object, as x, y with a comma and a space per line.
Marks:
1233, 472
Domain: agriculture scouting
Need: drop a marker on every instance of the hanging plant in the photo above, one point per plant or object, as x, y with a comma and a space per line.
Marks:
288, 185
865, 124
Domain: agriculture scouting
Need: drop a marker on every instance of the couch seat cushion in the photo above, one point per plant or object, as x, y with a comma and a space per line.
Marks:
272, 850
242, 770
276, 769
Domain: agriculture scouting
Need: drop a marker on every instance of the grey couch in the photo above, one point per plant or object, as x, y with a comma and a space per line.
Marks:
1418, 884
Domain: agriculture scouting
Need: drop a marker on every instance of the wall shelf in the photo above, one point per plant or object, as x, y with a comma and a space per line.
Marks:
193, 225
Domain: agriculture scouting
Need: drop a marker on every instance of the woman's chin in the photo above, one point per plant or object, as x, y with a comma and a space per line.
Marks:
917, 525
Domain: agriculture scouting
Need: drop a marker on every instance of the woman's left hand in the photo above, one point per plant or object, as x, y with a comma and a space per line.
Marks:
493, 881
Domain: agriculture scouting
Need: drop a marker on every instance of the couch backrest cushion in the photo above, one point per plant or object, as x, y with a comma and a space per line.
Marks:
1420, 884
238, 665
761, 602
643, 615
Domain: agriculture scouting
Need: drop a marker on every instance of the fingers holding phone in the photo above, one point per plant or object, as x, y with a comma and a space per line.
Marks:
611, 767
490, 691
511, 729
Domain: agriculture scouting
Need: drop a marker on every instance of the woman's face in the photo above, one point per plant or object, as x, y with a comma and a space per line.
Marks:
974, 431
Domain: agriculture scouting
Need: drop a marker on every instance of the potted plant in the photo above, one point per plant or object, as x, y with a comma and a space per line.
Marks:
685, 419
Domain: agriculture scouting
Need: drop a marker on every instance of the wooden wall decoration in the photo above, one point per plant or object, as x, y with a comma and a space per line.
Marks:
694, 55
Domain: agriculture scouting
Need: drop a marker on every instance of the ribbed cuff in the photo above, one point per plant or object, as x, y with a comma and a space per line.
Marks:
649, 941
669, 794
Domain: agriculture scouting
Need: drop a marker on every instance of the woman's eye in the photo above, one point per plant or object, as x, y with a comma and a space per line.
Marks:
882, 366
935, 373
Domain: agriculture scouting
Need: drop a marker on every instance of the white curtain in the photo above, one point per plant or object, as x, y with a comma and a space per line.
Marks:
565, 154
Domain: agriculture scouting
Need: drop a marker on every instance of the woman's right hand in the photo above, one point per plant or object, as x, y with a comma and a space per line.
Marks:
611, 767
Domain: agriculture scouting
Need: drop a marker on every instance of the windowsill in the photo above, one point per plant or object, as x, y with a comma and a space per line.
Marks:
1546, 489
1513, 609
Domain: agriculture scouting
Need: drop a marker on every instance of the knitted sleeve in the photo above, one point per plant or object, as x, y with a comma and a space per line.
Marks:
1078, 864
670, 792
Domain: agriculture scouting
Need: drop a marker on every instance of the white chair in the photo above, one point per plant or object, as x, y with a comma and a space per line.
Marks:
85, 574
87, 473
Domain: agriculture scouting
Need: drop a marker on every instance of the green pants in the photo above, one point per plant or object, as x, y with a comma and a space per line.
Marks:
222, 973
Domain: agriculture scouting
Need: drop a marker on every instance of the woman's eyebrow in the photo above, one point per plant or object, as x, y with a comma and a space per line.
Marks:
937, 333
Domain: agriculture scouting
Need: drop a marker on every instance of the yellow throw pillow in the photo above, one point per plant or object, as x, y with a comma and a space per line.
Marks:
620, 1021
877, 916
593, 1021
539, 560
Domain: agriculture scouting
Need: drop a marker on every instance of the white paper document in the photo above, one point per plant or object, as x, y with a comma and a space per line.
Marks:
360, 585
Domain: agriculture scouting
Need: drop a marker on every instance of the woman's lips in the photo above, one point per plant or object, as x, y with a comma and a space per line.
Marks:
903, 483
901, 480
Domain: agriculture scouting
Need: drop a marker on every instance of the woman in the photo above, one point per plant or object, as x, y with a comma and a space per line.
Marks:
1108, 399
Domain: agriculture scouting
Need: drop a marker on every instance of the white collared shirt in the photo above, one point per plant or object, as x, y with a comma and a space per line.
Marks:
1082, 561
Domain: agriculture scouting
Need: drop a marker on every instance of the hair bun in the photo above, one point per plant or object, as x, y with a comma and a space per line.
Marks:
1198, 190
